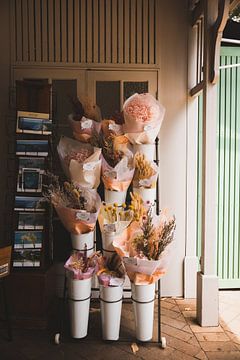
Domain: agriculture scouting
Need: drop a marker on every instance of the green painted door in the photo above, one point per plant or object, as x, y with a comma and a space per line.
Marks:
228, 179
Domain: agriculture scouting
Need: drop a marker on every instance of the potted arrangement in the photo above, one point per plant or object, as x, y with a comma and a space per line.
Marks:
80, 270
146, 256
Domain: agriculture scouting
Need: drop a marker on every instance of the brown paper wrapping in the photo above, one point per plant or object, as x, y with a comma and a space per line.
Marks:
143, 279
74, 226
115, 185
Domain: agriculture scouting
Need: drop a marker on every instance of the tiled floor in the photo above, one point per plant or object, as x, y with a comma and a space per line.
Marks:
185, 339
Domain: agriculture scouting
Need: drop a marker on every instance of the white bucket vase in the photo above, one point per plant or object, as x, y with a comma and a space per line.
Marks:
107, 246
112, 196
147, 149
143, 303
146, 194
79, 294
111, 307
79, 241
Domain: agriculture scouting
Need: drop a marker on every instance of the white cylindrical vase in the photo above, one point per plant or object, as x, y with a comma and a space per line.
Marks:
79, 241
146, 194
79, 294
111, 307
143, 303
107, 246
147, 149
112, 196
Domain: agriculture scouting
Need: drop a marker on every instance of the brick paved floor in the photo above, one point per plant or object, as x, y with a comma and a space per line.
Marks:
185, 339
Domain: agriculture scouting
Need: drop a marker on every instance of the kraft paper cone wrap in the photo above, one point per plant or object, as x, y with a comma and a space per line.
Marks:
143, 279
82, 133
115, 185
122, 173
74, 226
77, 221
77, 274
142, 137
141, 271
66, 146
88, 173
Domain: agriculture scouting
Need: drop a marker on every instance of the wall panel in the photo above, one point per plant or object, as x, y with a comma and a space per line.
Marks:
84, 31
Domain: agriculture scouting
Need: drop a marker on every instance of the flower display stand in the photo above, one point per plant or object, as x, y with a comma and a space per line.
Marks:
111, 302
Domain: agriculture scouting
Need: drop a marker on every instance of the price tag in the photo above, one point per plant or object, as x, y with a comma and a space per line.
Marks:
81, 215
114, 127
116, 281
109, 227
86, 123
130, 261
144, 182
89, 166
111, 174
148, 127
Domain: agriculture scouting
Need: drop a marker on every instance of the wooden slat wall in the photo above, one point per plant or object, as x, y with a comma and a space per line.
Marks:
84, 31
228, 180
228, 226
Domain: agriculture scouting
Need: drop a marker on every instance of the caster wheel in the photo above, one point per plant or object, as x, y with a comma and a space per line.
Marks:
163, 342
57, 339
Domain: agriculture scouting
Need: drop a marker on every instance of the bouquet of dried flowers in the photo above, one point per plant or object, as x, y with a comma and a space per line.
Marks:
117, 160
153, 240
146, 251
77, 207
81, 162
112, 272
146, 172
80, 266
85, 121
116, 218
143, 116
119, 177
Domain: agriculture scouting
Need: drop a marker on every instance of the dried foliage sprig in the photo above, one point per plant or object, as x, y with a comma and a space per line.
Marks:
154, 240
113, 266
137, 206
114, 213
143, 167
69, 195
110, 153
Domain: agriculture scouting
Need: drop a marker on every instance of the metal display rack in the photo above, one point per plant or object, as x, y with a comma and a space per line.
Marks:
161, 340
16, 185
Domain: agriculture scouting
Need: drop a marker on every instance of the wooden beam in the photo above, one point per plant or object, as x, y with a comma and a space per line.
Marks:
223, 11
196, 89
